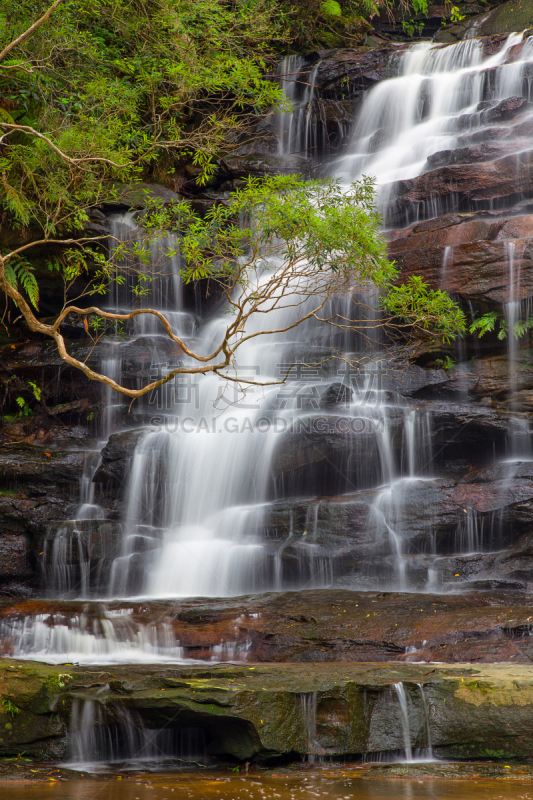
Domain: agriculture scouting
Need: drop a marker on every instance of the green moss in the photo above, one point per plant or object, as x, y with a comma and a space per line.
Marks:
487, 751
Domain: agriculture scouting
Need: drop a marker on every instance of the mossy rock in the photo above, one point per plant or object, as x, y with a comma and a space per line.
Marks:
507, 18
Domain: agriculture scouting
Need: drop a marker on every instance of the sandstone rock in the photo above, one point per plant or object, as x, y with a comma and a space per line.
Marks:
410, 380
87, 549
255, 164
490, 376
485, 151
354, 71
470, 186
14, 557
332, 453
260, 712
137, 195
336, 394
38, 468
467, 256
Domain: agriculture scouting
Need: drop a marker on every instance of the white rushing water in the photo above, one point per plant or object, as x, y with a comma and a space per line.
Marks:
110, 637
295, 129
440, 95
103, 737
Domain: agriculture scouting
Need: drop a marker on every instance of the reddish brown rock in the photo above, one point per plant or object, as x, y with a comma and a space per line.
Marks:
476, 266
490, 377
332, 625
469, 183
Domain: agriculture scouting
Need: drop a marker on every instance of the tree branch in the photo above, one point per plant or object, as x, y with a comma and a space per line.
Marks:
8, 48
75, 162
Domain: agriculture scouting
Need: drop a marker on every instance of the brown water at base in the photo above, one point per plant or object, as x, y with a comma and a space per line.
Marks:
337, 784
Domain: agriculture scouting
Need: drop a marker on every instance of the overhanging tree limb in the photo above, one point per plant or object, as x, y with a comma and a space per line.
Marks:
11, 46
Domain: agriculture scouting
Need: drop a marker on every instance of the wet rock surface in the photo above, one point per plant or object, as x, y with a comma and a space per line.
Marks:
116, 457
260, 712
330, 625
467, 531
499, 21
467, 255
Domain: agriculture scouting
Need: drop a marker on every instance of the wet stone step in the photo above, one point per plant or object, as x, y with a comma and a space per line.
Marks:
492, 624
263, 712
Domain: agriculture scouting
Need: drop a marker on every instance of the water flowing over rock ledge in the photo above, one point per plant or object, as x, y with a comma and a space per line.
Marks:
275, 712
313, 626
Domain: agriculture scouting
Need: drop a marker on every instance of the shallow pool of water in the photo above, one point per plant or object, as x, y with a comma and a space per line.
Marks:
338, 784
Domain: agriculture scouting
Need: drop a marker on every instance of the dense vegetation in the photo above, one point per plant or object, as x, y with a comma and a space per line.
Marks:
95, 96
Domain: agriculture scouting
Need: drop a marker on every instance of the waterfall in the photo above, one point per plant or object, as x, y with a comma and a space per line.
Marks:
439, 98
113, 736
425, 708
296, 129
92, 636
216, 468
67, 568
309, 709
399, 690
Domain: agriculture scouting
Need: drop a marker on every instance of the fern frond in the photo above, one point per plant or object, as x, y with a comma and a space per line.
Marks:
16, 203
20, 275
28, 281
11, 276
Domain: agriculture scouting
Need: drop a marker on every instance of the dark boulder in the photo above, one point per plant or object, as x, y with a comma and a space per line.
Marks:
117, 456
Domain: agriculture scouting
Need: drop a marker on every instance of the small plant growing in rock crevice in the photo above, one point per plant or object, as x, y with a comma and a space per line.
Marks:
10, 708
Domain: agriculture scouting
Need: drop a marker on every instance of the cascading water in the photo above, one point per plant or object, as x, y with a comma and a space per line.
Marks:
296, 129
438, 103
68, 567
92, 636
214, 467
105, 738
399, 690
413, 715
309, 708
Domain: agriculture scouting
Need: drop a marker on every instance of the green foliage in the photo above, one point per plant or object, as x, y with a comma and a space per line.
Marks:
455, 14
314, 221
494, 321
487, 323
130, 82
330, 8
410, 26
445, 363
427, 309
35, 390
19, 273
316, 226
10, 708
121, 90
25, 409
